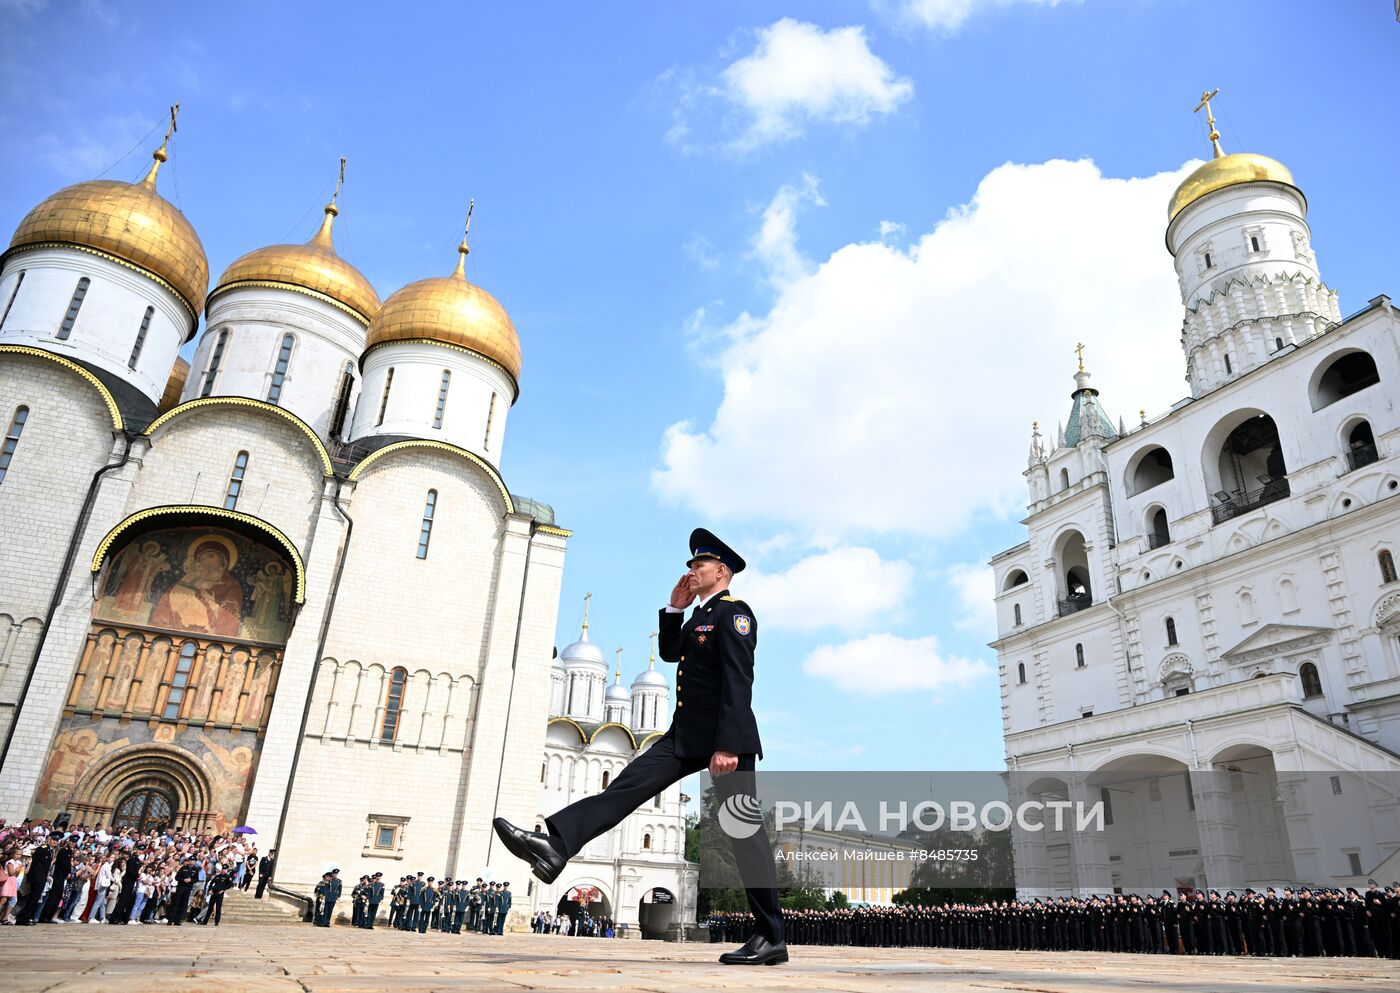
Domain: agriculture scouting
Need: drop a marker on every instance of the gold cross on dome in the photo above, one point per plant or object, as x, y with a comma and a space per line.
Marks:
174, 112
339, 182
1079, 350
1206, 98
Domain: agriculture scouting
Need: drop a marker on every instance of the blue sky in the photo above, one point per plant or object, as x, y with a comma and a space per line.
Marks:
802, 273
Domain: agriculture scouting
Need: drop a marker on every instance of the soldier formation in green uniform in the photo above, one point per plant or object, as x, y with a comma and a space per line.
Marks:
1308, 922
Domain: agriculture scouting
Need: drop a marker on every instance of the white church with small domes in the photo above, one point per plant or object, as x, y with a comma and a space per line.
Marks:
285, 584
1202, 629
595, 729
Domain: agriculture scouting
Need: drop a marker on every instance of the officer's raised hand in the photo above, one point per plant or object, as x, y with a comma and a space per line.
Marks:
683, 594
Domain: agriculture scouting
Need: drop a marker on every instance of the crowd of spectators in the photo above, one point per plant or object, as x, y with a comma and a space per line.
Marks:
580, 925
100, 875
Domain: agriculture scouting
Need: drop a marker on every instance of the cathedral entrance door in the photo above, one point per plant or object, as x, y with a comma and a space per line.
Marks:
145, 810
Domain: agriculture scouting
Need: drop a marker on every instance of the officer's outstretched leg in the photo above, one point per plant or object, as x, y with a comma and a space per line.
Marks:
647, 775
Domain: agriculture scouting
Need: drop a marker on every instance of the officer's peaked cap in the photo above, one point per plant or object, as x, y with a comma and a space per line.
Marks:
704, 545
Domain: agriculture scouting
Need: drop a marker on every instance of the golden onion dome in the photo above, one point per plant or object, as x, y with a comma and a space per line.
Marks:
1227, 170
451, 311
174, 386
312, 268
129, 222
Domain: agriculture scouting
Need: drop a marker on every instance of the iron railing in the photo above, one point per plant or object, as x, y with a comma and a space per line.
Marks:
1075, 603
1360, 455
1244, 501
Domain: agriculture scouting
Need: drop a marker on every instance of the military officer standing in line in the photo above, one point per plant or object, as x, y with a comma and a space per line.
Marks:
713, 725
358, 900
329, 892
503, 900
415, 902
427, 900
474, 900
490, 900
376, 897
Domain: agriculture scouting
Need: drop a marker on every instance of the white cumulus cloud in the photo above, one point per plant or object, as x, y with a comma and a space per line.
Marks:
796, 75
973, 588
849, 588
800, 73
883, 663
891, 389
775, 243
949, 15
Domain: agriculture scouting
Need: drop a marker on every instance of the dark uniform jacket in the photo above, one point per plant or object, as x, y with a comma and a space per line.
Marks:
713, 652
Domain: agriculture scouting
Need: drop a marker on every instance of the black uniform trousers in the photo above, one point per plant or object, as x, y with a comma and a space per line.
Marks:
647, 775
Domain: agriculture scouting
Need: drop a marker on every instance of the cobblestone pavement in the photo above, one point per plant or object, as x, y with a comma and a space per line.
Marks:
302, 959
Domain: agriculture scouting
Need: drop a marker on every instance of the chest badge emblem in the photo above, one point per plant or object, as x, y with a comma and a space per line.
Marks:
701, 639
742, 624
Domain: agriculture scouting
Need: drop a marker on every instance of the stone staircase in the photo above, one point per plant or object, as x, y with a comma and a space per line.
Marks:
243, 908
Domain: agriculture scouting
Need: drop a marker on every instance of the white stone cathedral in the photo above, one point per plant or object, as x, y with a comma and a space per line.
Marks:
1202, 629
285, 584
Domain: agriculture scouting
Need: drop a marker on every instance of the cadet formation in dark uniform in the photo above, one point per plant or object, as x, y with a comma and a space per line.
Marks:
419, 904
1308, 922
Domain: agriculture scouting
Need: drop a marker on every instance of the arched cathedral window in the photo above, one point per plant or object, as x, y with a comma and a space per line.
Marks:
179, 681
1312, 682
393, 705
74, 305
11, 302
606, 776
7, 451
214, 361
1387, 564
442, 398
1016, 613
1171, 631
1078, 655
427, 531
384, 400
140, 338
341, 407
1021, 673
279, 371
235, 481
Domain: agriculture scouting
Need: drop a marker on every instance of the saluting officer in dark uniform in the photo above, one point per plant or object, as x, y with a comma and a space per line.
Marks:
713, 725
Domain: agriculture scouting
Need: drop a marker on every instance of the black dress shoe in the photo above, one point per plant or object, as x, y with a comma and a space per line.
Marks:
532, 847
758, 950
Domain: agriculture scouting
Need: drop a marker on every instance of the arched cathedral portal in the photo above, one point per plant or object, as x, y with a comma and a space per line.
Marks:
166, 711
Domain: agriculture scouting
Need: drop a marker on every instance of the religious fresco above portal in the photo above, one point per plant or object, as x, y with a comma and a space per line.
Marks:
199, 580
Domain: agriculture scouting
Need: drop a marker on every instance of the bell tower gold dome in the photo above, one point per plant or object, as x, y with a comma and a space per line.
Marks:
313, 268
450, 311
128, 222
1227, 170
